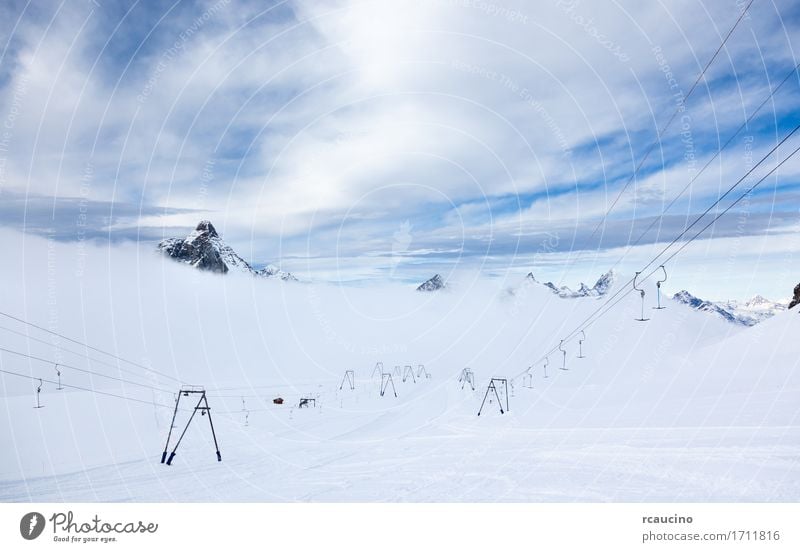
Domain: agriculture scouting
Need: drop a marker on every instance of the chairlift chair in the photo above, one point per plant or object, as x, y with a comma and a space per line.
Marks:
58, 373
39, 392
641, 293
658, 288
546, 364
527, 378
580, 344
563, 356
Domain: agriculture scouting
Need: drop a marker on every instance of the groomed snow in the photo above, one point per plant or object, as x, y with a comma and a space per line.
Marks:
684, 407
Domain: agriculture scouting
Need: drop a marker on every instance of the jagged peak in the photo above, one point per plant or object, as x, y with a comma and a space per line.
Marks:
432, 284
205, 227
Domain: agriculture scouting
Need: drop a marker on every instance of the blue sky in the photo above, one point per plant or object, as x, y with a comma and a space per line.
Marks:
368, 140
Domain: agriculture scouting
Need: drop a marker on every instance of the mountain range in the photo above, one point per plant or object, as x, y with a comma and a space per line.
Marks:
600, 287
745, 313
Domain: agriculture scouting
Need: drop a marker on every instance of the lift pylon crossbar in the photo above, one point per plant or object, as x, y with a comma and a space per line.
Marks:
202, 407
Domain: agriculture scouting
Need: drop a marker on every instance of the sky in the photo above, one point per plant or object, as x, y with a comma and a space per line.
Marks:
359, 141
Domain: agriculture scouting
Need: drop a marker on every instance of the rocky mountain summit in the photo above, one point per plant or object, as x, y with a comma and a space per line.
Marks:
432, 284
796, 298
204, 249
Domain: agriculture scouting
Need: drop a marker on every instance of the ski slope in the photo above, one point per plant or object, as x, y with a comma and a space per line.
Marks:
684, 407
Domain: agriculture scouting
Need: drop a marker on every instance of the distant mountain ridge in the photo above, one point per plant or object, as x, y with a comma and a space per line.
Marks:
746, 313
204, 249
600, 288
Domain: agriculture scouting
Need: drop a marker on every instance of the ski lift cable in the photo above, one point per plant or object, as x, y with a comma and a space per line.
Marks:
625, 289
79, 388
708, 163
77, 353
84, 370
714, 204
75, 341
669, 122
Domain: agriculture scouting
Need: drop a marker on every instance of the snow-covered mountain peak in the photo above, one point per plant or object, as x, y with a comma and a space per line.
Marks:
204, 228
204, 249
432, 284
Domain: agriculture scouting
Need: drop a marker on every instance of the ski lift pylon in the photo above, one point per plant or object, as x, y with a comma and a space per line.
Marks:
202, 407
349, 377
386, 379
467, 376
493, 387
